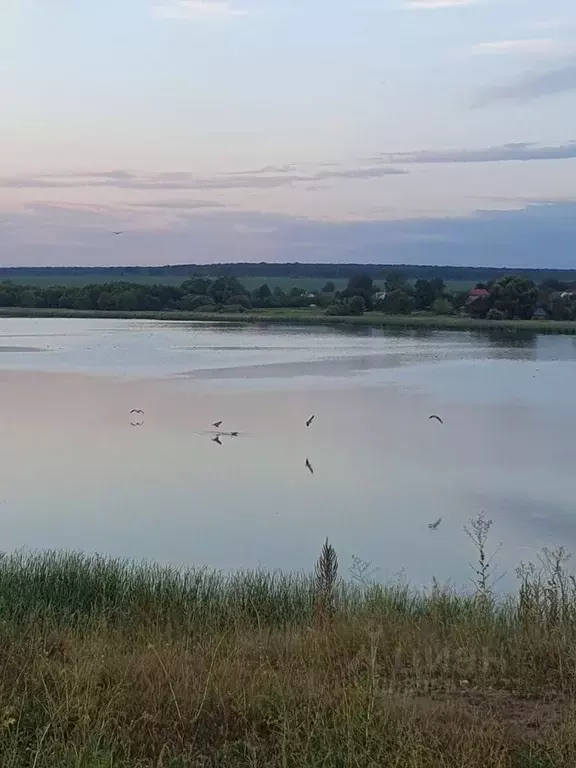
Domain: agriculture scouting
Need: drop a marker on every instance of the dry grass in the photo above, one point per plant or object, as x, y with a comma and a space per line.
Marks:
110, 664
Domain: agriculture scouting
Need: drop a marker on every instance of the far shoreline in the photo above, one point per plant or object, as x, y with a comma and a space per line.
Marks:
305, 317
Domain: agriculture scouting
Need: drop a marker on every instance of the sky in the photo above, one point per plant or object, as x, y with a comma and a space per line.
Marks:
383, 131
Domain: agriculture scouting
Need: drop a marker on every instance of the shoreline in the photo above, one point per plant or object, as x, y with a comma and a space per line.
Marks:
370, 320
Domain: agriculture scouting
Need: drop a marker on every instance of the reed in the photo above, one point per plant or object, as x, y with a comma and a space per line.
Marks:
111, 663
312, 318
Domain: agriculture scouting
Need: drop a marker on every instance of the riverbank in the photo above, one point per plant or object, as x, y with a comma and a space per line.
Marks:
309, 317
107, 663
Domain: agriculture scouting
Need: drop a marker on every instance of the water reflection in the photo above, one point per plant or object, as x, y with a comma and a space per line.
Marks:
371, 472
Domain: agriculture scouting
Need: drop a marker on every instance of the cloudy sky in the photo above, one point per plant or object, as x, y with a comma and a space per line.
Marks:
417, 131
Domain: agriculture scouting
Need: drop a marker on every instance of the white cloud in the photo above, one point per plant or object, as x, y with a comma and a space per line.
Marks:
531, 46
192, 10
439, 3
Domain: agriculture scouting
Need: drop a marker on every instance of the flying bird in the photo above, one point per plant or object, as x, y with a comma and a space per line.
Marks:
436, 417
137, 410
234, 434
434, 526
136, 423
217, 424
309, 466
310, 420
217, 440
117, 233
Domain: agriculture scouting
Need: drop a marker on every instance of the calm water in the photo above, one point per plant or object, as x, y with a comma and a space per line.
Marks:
76, 474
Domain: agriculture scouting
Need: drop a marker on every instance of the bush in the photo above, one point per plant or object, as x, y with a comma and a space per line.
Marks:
442, 306
190, 302
240, 301
345, 307
495, 314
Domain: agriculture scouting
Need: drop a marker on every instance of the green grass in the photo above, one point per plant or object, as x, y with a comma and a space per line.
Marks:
111, 663
314, 317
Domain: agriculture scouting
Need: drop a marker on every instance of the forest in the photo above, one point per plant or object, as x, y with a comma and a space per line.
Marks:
269, 271
511, 297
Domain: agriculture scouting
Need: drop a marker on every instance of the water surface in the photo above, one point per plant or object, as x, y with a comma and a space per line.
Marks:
75, 474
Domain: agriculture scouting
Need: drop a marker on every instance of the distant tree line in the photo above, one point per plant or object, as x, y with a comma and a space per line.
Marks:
509, 297
223, 294
270, 271
512, 297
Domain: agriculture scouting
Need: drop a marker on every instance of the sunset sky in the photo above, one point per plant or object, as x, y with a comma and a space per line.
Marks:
416, 131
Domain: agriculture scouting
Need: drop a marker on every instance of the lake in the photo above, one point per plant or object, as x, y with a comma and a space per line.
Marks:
77, 475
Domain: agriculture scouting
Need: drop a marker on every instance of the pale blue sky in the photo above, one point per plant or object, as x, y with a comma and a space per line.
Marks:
237, 129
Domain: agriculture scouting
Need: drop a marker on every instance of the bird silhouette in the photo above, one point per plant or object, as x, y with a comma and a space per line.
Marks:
217, 440
310, 420
436, 417
136, 423
434, 526
234, 434
309, 466
137, 410
117, 233
217, 424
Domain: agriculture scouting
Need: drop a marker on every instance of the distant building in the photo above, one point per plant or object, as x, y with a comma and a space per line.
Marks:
478, 293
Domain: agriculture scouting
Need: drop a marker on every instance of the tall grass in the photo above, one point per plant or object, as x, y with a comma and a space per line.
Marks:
311, 318
112, 663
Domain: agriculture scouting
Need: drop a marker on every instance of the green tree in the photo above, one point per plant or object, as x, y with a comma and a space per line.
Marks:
329, 288
559, 307
204, 304
363, 287
106, 301
128, 300
196, 285
397, 302
442, 306
438, 287
240, 301
356, 305
515, 297
394, 281
264, 293
359, 285
424, 295
31, 298
223, 288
